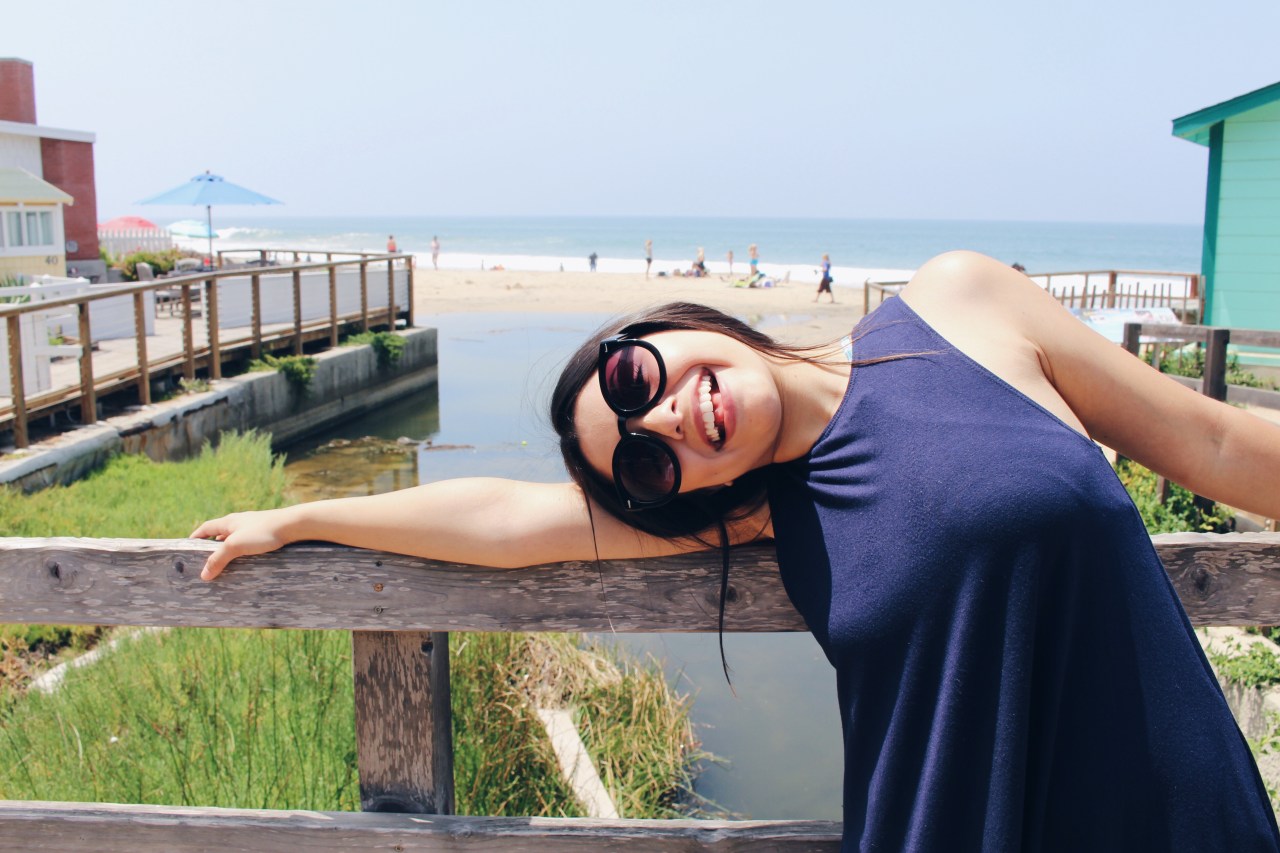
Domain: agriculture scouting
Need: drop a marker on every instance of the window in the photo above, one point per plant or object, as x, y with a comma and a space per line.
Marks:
33, 228
39, 228
14, 222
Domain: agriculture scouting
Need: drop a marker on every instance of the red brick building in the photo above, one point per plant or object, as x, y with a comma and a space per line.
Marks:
63, 158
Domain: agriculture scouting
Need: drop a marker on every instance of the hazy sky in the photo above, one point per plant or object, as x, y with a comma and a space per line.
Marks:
898, 109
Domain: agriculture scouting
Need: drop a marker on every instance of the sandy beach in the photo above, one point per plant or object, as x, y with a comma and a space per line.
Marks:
794, 317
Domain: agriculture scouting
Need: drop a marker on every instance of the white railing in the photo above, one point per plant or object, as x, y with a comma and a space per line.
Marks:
126, 242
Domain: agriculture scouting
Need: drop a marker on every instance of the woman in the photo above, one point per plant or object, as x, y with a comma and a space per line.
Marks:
824, 285
1014, 671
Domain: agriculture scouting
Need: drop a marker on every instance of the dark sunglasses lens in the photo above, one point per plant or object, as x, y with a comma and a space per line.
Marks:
631, 377
646, 470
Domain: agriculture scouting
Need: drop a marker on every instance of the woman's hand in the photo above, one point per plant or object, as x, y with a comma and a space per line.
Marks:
242, 534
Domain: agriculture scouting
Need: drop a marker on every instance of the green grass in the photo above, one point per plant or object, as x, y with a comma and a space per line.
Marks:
265, 719
134, 497
255, 719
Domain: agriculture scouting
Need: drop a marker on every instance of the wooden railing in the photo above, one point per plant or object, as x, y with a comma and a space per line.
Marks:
1094, 289
1213, 382
210, 354
264, 256
399, 609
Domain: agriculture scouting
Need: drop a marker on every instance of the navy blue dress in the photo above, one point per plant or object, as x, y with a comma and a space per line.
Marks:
1014, 669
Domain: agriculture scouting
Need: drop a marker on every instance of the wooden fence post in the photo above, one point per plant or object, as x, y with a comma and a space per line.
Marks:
333, 304
408, 271
364, 296
88, 394
140, 330
1215, 364
188, 336
404, 725
297, 310
391, 295
211, 325
255, 285
16, 388
1133, 337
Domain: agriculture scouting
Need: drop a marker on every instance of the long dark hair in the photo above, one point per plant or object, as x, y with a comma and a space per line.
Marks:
690, 516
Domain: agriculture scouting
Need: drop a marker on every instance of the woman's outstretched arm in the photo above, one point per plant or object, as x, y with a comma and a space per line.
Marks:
481, 521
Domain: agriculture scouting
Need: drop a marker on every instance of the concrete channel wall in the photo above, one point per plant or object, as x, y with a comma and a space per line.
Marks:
347, 382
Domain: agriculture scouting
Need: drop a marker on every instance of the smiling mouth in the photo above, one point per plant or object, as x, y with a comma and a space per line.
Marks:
711, 409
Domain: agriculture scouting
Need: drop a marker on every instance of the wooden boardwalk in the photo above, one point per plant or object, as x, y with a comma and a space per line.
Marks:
188, 340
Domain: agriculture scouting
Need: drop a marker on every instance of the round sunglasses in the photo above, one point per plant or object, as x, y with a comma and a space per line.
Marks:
632, 379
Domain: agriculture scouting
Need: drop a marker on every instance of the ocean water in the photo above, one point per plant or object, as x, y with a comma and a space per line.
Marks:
855, 245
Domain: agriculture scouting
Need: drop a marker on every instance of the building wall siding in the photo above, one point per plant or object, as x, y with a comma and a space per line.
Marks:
20, 152
29, 266
1247, 269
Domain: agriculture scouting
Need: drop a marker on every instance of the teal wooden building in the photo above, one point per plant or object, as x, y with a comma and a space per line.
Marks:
1240, 263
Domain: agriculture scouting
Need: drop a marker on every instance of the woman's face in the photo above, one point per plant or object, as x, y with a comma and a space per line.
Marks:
745, 401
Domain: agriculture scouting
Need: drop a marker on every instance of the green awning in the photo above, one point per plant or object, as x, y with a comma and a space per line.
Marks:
18, 186
1195, 126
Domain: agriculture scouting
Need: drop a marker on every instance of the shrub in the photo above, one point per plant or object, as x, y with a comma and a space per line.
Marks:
298, 369
388, 347
1178, 513
161, 262
1184, 362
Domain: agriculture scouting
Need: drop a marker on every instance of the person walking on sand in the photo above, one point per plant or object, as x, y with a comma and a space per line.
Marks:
729, 255
1013, 669
824, 286
648, 256
435, 252
391, 244
591, 258
753, 256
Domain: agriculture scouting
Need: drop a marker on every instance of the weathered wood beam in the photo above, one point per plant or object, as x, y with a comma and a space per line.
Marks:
1229, 579
312, 585
109, 828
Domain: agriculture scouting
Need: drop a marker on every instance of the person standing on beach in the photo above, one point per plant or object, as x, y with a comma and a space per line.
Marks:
700, 265
824, 286
435, 252
591, 258
729, 255
753, 254
648, 256
391, 243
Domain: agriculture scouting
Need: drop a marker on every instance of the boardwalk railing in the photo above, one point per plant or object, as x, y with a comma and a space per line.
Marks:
271, 306
1215, 340
399, 609
1094, 289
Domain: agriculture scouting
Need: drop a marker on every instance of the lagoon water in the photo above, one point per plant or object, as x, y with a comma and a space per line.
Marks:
780, 737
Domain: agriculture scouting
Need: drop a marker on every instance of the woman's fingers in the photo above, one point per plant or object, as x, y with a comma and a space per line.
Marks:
216, 562
238, 535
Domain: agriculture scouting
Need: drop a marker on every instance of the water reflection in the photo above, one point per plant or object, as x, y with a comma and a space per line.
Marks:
780, 736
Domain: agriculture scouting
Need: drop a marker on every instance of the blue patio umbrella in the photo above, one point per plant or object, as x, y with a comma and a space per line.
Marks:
208, 189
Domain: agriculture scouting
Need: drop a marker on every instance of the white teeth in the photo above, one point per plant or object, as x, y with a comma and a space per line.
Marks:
708, 409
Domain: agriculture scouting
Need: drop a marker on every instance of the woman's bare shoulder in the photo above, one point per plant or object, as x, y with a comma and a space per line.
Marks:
967, 282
